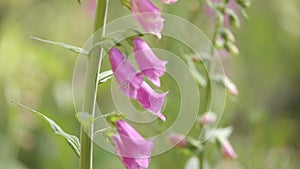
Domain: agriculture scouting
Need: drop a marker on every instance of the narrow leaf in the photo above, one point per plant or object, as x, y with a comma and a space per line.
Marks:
67, 46
104, 76
72, 140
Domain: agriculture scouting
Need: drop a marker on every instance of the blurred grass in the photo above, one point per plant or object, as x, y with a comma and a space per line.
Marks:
265, 116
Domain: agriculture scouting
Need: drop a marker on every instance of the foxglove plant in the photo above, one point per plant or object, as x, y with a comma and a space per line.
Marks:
133, 150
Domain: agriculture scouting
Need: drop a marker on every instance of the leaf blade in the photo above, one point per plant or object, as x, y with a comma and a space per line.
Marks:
72, 140
67, 46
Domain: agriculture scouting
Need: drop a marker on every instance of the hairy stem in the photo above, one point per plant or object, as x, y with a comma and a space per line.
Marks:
89, 102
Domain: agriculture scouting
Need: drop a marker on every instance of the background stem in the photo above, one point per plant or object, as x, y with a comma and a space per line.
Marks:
89, 102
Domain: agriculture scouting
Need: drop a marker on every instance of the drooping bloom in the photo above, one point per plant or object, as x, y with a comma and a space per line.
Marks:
133, 150
125, 74
152, 67
151, 100
227, 150
177, 140
168, 1
148, 16
230, 86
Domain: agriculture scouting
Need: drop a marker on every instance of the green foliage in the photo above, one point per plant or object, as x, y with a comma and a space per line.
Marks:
72, 140
105, 76
72, 48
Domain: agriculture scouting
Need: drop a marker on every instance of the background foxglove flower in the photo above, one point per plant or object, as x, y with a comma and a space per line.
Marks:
149, 64
125, 74
227, 150
151, 100
148, 16
177, 140
168, 1
133, 150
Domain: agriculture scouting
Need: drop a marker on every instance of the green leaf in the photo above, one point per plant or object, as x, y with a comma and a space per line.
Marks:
72, 140
104, 76
67, 46
192, 163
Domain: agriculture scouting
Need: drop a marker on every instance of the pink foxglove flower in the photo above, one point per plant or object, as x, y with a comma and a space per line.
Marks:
227, 150
177, 140
168, 1
148, 16
125, 74
149, 64
151, 100
133, 150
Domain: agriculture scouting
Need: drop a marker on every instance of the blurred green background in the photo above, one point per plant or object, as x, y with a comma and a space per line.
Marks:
265, 115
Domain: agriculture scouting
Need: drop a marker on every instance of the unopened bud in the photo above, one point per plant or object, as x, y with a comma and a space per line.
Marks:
177, 140
227, 150
207, 118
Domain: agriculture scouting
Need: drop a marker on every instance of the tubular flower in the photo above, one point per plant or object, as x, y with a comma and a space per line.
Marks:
133, 150
149, 64
227, 150
168, 1
151, 100
125, 74
148, 16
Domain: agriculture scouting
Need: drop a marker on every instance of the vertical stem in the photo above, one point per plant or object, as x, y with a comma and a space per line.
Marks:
89, 102
201, 160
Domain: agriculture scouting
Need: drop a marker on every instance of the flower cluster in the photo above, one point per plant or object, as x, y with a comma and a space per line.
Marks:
133, 150
132, 83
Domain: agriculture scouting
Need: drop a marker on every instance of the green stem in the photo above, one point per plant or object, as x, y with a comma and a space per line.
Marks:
89, 102
201, 160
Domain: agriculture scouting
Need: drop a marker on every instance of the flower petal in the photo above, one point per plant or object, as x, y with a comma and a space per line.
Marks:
133, 150
125, 74
148, 16
151, 100
147, 61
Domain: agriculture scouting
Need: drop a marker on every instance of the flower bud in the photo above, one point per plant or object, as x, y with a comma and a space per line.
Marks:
207, 118
178, 140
